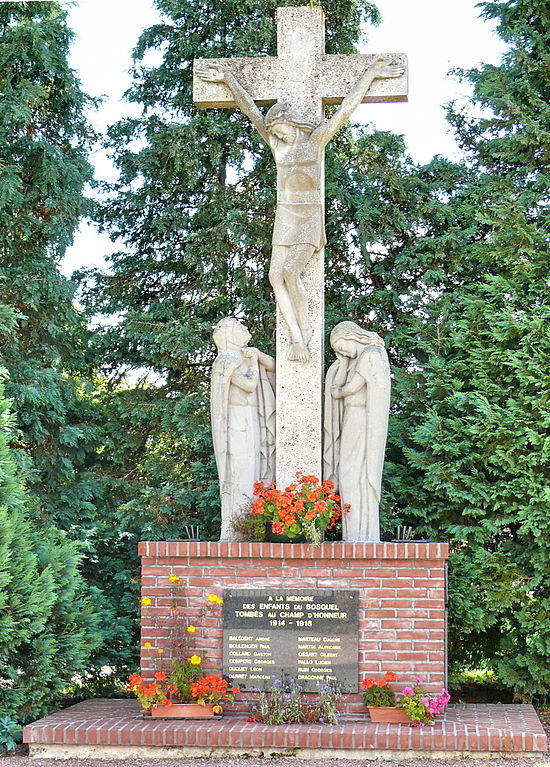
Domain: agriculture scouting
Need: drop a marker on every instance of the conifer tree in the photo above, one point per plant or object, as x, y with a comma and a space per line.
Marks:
48, 626
195, 209
444, 261
43, 169
44, 341
475, 417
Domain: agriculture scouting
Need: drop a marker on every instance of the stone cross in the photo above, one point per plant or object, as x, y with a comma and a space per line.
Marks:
305, 77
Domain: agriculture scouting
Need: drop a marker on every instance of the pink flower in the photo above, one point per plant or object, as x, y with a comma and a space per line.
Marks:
426, 702
408, 691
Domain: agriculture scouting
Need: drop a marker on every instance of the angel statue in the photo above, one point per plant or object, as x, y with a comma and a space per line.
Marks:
357, 403
297, 146
242, 410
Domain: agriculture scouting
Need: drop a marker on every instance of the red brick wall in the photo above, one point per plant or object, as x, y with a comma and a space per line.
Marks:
401, 597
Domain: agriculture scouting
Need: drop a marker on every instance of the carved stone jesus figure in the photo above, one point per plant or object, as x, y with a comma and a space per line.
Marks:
297, 146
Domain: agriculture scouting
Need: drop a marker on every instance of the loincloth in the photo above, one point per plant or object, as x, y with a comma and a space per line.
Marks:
299, 224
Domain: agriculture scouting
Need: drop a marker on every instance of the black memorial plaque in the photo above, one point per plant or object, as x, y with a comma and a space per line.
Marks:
310, 636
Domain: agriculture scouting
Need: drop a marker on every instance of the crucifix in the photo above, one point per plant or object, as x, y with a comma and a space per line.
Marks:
296, 85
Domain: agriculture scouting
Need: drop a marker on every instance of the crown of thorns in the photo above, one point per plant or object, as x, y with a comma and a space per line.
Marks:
284, 113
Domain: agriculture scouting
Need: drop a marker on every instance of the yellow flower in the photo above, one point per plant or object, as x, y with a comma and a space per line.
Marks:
147, 644
173, 578
146, 601
215, 598
160, 651
191, 629
195, 660
217, 709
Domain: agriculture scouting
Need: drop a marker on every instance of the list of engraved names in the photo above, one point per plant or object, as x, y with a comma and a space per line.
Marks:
309, 636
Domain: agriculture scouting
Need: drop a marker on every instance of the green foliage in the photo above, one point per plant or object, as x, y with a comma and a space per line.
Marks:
446, 261
283, 704
10, 733
194, 206
44, 341
378, 696
182, 676
43, 169
473, 426
48, 626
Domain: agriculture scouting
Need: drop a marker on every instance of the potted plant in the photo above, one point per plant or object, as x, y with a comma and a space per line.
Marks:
380, 700
182, 688
184, 693
422, 707
416, 706
301, 512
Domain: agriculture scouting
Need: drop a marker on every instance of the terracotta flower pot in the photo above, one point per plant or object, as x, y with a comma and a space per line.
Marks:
388, 714
183, 711
274, 538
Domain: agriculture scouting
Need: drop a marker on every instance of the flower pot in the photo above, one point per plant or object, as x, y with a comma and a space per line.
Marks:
183, 711
388, 714
274, 538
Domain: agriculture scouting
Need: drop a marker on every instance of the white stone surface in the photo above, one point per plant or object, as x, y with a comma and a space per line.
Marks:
300, 65
299, 389
242, 410
357, 405
247, 754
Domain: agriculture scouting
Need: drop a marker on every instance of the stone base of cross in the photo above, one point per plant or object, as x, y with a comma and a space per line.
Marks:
304, 76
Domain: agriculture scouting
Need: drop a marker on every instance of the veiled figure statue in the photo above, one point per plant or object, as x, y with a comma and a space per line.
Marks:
357, 403
297, 145
242, 410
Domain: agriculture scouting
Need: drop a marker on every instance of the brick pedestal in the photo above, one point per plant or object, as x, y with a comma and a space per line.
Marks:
401, 598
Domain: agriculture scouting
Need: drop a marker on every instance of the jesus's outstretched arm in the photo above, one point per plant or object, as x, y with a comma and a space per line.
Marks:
219, 73
380, 69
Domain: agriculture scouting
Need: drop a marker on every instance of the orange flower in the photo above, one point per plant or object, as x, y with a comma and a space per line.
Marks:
381, 683
389, 676
368, 683
311, 479
160, 676
166, 702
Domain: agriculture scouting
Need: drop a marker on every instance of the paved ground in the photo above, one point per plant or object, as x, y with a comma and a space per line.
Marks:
21, 761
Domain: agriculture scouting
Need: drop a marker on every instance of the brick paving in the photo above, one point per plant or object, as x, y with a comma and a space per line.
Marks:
466, 728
